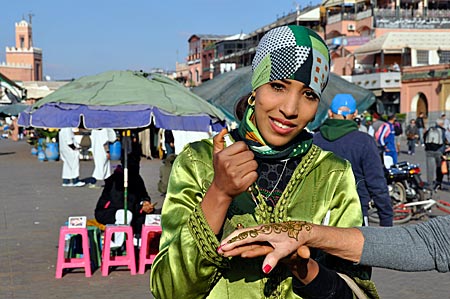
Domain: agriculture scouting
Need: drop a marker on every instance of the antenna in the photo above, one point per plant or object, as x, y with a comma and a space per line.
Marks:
30, 17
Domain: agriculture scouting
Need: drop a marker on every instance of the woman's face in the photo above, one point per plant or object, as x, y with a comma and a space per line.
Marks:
283, 108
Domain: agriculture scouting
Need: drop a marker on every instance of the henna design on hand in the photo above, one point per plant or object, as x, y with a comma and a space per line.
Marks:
292, 228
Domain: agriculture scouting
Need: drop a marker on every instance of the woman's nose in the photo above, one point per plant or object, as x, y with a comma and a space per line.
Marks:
289, 107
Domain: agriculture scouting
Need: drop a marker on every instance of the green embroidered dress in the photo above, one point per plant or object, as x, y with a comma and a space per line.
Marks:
321, 189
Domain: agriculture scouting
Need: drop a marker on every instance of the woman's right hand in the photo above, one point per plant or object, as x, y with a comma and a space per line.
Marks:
234, 171
234, 166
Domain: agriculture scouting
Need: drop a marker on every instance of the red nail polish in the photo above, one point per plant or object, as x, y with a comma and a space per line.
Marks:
218, 248
267, 268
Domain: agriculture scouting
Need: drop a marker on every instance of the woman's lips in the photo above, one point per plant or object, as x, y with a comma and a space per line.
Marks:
281, 126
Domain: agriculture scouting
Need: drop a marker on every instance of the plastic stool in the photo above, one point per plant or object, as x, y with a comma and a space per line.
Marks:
146, 256
127, 260
83, 262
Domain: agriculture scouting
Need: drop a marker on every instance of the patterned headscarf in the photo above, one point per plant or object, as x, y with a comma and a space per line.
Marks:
292, 52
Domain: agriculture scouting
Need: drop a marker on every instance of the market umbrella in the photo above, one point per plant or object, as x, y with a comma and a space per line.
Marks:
12, 109
224, 90
124, 100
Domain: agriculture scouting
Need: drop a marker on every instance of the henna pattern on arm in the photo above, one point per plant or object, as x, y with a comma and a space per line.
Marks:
292, 228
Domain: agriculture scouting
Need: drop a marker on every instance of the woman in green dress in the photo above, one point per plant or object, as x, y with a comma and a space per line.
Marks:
266, 171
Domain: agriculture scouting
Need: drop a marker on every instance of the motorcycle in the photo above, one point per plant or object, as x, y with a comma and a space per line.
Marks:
405, 185
410, 178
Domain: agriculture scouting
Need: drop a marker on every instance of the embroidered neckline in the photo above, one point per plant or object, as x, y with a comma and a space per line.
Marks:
265, 213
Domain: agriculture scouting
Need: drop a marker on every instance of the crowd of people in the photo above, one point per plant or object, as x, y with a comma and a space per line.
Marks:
390, 132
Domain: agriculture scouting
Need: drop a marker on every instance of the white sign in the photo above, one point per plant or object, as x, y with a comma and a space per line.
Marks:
77, 222
153, 219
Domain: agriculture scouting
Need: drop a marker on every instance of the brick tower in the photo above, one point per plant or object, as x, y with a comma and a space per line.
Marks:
24, 61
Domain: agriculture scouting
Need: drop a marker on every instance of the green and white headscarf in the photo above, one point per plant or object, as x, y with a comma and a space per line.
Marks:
292, 52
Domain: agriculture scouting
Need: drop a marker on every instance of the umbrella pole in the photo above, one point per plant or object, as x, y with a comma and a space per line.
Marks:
125, 144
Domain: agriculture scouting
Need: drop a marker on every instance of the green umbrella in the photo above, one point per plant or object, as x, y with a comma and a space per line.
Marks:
119, 88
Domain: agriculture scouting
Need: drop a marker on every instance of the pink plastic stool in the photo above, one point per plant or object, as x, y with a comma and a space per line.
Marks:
63, 262
127, 260
146, 256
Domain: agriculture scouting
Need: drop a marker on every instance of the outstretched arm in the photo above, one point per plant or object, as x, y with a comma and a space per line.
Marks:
280, 240
420, 247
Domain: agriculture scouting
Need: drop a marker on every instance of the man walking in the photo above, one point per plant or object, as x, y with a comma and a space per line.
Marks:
434, 140
446, 126
412, 133
420, 124
386, 138
340, 134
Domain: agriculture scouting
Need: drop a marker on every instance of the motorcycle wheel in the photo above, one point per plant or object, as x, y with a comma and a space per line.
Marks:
397, 193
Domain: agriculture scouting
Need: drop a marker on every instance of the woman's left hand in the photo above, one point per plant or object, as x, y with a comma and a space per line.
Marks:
276, 241
147, 207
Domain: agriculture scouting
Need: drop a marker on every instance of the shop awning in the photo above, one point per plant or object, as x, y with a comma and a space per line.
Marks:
395, 42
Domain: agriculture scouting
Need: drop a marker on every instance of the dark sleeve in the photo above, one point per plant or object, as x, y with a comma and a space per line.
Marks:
326, 285
108, 203
143, 194
168, 136
420, 247
376, 183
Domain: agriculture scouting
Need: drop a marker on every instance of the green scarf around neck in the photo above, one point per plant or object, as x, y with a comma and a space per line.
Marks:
333, 129
251, 136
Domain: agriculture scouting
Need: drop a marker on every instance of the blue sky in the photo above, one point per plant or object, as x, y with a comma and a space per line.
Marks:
86, 37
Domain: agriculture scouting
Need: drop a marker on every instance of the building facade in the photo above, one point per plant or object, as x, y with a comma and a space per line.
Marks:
201, 52
24, 61
371, 44
426, 89
210, 55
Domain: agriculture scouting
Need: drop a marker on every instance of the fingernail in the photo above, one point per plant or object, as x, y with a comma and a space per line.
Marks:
220, 247
267, 268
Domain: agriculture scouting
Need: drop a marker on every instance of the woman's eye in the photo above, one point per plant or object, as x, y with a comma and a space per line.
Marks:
310, 95
277, 86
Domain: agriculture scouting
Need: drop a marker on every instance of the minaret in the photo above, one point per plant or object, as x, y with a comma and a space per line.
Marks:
24, 57
24, 34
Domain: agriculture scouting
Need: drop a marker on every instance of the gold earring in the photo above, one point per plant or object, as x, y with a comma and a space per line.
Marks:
251, 99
